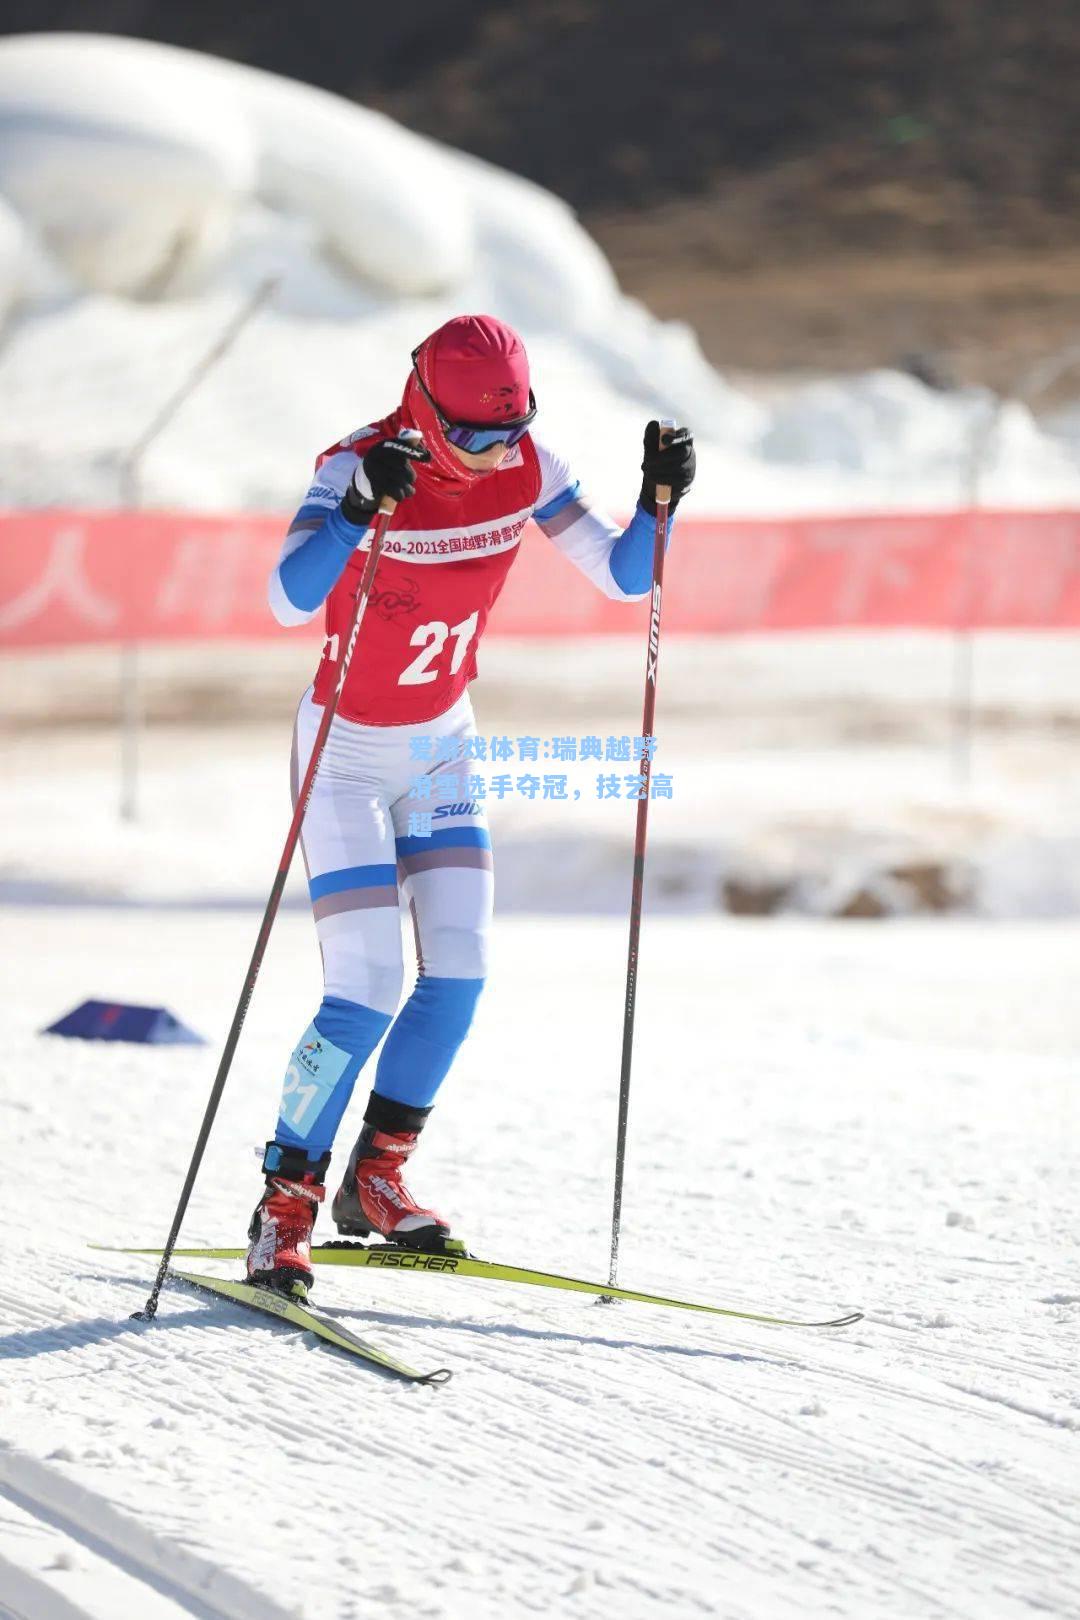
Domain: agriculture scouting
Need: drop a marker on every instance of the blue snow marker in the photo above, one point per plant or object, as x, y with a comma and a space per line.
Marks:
120, 1021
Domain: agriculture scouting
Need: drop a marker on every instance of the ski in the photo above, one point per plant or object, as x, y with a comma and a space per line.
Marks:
289, 1310
388, 1257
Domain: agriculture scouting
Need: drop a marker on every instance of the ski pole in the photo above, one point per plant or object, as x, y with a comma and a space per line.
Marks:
386, 509
663, 498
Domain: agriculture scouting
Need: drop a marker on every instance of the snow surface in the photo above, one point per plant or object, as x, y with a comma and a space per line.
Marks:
823, 1117
154, 188
823, 763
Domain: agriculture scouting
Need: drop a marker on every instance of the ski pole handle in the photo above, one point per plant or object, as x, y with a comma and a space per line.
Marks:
663, 491
410, 436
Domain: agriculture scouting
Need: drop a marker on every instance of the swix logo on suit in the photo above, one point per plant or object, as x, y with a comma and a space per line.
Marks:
413, 666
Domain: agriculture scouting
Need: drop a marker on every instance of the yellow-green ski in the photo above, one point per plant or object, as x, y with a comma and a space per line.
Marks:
386, 1257
290, 1310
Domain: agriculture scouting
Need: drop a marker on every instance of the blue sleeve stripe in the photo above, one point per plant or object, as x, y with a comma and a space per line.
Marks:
449, 838
563, 498
309, 573
632, 553
352, 877
313, 509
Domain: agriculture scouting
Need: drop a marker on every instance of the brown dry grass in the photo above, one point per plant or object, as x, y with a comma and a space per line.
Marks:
982, 317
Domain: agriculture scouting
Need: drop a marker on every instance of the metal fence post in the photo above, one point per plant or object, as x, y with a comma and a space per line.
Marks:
129, 670
1032, 384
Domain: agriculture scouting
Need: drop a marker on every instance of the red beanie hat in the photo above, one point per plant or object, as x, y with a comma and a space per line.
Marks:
476, 369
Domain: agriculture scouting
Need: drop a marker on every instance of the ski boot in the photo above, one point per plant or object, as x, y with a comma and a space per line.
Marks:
281, 1227
374, 1198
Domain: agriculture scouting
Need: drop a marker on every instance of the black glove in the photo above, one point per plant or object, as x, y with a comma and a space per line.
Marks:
674, 465
387, 469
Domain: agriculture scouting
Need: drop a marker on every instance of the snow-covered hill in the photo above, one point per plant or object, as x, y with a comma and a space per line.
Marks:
146, 190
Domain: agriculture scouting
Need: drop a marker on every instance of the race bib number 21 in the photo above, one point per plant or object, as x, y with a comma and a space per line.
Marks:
431, 639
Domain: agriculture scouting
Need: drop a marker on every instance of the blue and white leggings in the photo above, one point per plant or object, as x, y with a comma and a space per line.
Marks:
359, 859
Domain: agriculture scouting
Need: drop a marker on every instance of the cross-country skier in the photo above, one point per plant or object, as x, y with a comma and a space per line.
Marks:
465, 491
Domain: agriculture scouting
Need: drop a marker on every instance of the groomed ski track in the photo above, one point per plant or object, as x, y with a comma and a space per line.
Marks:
828, 1117
71, 1554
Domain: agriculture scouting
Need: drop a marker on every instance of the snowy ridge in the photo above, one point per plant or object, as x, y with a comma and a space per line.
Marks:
116, 282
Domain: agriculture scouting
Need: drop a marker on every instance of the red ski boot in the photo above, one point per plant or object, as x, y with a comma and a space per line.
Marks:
281, 1227
373, 1197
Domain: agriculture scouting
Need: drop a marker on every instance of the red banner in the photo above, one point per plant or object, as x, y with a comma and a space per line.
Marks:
69, 577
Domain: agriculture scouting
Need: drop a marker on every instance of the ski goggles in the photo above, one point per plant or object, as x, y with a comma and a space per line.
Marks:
475, 437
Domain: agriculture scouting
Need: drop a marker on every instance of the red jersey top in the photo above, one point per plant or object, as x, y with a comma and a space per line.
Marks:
445, 558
